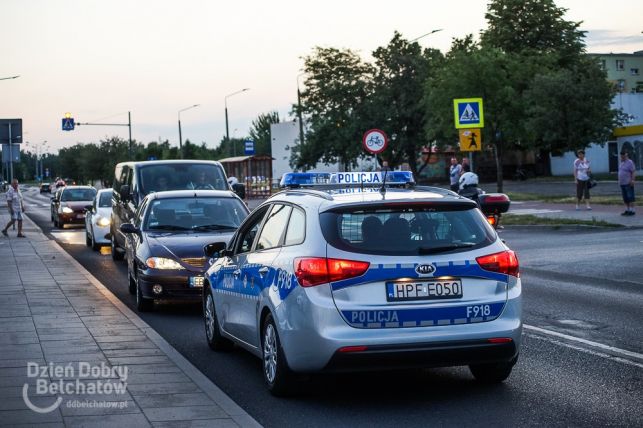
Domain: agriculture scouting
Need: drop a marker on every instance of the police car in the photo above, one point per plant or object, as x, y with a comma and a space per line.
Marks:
345, 272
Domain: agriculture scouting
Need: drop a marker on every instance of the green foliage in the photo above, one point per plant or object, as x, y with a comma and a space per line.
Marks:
260, 132
533, 27
396, 101
337, 83
577, 101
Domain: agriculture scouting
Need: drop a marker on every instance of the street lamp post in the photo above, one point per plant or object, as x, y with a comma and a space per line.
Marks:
301, 123
180, 136
424, 35
225, 102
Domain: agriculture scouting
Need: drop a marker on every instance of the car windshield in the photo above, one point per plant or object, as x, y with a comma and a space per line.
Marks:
71, 195
181, 176
105, 199
199, 214
406, 230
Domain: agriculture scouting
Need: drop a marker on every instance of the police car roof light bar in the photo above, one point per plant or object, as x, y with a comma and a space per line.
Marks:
347, 179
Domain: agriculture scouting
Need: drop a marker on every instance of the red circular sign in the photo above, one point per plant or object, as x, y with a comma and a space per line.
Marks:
375, 141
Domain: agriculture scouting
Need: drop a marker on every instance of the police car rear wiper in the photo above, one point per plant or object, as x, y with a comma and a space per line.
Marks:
433, 250
213, 227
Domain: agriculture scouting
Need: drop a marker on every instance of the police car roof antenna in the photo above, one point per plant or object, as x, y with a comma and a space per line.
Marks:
383, 188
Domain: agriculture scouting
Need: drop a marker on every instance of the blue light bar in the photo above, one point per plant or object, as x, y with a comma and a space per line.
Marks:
346, 179
373, 178
297, 179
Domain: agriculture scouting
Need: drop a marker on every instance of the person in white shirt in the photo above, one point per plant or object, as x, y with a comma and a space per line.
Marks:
582, 173
16, 208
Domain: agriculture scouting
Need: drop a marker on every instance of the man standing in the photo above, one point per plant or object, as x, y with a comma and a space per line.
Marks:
16, 208
626, 173
454, 174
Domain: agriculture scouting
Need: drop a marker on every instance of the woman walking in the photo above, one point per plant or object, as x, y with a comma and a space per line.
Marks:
581, 175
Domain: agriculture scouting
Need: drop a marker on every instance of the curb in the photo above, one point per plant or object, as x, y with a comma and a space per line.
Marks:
571, 227
235, 411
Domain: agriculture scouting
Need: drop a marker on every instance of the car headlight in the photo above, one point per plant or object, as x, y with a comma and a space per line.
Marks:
67, 210
162, 263
103, 221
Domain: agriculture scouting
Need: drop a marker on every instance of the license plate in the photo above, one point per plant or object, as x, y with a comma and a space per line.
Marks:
80, 216
196, 281
423, 290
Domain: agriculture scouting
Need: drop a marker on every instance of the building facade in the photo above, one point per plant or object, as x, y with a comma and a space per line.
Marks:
625, 71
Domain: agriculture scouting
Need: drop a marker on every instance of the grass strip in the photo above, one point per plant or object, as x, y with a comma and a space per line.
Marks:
564, 199
529, 220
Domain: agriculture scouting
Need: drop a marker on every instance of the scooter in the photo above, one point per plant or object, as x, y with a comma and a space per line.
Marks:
492, 205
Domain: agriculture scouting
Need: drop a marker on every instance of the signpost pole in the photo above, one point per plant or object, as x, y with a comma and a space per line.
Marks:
10, 156
129, 125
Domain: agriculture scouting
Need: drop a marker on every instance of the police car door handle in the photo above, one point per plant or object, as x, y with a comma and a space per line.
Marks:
264, 270
236, 272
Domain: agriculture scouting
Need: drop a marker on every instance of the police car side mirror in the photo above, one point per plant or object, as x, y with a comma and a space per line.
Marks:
215, 250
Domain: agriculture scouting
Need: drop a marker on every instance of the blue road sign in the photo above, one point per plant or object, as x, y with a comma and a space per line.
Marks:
68, 124
151, 158
249, 148
468, 113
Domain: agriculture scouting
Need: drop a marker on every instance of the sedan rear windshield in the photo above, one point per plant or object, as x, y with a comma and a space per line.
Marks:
405, 230
71, 195
198, 214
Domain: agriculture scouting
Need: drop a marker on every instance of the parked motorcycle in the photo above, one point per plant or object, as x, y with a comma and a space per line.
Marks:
492, 205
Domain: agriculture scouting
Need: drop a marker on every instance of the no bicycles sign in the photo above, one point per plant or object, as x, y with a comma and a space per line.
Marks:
375, 141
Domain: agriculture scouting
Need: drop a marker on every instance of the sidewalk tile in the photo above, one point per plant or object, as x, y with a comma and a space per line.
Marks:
105, 421
182, 413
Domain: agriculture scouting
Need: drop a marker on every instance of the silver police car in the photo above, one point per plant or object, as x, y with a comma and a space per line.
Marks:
342, 272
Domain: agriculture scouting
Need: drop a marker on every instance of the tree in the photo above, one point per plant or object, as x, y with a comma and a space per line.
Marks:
396, 103
577, 101
260, 132
533, 27
336, 90
476, 72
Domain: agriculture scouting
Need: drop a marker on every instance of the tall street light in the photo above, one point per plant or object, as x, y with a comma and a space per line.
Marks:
180, 136
301, 123
225, 102
424, 35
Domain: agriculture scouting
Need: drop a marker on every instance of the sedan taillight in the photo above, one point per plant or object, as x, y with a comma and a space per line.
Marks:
311, 271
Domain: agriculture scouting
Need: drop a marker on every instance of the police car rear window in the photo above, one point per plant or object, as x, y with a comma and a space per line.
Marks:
409, 230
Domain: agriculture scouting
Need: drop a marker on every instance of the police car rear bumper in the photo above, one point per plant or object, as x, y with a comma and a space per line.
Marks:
443, 354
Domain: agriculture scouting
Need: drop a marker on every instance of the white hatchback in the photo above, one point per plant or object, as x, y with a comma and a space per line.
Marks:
97, 219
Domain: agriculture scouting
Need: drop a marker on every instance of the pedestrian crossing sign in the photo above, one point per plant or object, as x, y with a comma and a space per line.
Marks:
468, 113
470, 140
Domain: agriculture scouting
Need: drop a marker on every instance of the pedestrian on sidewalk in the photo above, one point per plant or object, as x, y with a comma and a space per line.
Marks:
454, 174
582, 173
16, 208
626, 174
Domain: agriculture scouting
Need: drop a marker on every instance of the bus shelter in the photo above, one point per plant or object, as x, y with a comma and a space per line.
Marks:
253, 171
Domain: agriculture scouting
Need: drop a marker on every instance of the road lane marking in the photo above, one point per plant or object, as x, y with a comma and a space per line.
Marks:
587, 351
622, 352
533, 211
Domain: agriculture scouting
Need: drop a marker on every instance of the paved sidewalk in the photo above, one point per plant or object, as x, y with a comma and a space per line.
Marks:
61, 328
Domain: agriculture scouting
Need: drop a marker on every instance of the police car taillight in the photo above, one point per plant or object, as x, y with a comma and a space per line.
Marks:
505, 262
311, 271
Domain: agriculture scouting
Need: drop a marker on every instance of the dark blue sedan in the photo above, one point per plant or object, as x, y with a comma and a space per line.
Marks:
164, 245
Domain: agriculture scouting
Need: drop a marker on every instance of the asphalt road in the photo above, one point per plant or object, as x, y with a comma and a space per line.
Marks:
581, 362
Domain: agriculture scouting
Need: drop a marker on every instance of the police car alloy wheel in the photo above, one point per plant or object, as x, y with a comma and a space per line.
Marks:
212, 332
276, 373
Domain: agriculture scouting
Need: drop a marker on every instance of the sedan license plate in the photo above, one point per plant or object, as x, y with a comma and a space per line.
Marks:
423, 290
196, 282
79, 216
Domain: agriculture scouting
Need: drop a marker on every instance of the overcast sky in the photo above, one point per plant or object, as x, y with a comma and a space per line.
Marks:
101, 59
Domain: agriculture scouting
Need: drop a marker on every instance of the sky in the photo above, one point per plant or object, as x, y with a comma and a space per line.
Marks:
99, 59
